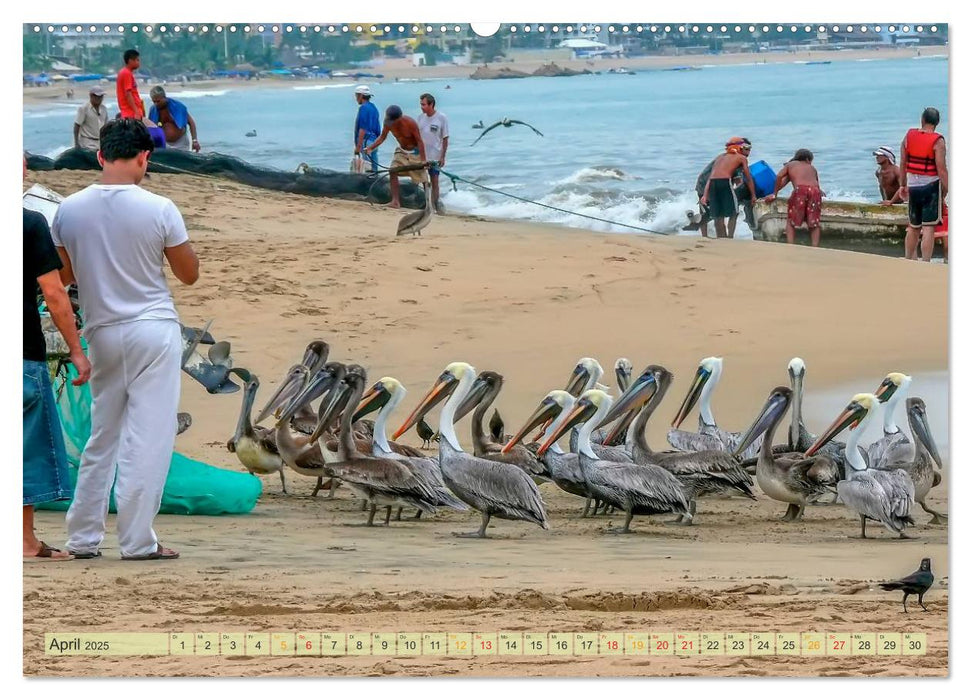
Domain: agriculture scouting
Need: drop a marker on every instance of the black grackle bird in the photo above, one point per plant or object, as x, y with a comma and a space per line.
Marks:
917, 583
426, 433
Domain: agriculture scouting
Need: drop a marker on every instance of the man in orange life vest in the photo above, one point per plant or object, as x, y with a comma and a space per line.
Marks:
923, 172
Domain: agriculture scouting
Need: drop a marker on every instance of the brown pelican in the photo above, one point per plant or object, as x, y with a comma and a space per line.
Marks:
415, 221
586, 376
298, 451
483, 393
254, 446
381, 481
507, 122
563, 467
701, 472
385, 395
633, 488
709, 435
493, 488
894, 446
885, 496
790, 477
920, 467
304, 420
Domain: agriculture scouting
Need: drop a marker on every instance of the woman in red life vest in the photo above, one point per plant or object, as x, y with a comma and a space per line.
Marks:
923, 171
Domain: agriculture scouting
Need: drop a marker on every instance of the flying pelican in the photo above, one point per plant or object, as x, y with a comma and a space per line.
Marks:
633, 488
254, 446
381, 481
385, 395
415, 221
563, 467
483, 393
894, 446
885, 496
701, 472
790, 477
920, 466
492, 488
507, 122
709, 435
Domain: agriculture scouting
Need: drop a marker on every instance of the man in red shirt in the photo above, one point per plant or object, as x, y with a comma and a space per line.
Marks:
129, 103
923, 171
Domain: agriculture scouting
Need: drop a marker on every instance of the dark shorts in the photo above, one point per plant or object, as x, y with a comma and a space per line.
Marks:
45, 459
805, 205
924, 206
721, 199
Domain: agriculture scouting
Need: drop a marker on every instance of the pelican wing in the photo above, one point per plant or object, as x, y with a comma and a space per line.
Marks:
650, 488
426, 469
405, 450
486, 131
495, 487
516, 121
389, 477
865, 496
686, 441
814, 474
899, 488
519, 456
889, 449
267, 440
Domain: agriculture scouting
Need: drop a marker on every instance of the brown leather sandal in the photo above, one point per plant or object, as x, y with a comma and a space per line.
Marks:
159, 553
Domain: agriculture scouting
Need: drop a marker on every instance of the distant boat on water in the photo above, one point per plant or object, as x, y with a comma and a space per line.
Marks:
818, 63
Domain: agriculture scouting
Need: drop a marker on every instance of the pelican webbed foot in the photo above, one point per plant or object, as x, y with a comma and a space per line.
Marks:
320, 484
793, 512
480, 533
938, 519
283, 481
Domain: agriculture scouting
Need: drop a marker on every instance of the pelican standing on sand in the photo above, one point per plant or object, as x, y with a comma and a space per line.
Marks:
636, 489
586, 376
415, 221
791, 477
884, 496
894, 445
493, 488
382, 482
701, 472
254, 446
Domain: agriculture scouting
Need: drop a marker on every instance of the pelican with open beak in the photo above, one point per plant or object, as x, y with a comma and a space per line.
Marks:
636, 489
789, 477
882, 495
495, 489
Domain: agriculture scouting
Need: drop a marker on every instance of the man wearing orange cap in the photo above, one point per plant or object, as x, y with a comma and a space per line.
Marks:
719, 194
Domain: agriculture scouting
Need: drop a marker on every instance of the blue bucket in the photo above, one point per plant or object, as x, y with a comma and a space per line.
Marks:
764, 178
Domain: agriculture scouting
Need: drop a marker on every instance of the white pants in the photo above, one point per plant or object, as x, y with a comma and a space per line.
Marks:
135, 395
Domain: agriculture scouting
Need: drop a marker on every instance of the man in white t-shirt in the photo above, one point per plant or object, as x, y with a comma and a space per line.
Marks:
114, 238
434, 132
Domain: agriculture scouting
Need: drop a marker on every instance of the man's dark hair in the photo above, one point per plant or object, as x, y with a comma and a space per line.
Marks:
931, 116
804, 154
428, 97
130, 54
123, 139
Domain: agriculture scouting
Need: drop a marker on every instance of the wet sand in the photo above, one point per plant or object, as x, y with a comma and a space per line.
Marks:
525, 300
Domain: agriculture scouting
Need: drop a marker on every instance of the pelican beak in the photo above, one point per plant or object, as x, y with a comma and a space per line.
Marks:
638, 394
472, 399
374, 400
886, 389
330, 408
581, 412
319, 384
547, 411
444, 386
619, 427
701, 378
287, 390
772, 412
542, 430
849, 418
579, 377
922, 430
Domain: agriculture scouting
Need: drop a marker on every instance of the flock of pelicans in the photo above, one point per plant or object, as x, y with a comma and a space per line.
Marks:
610, 462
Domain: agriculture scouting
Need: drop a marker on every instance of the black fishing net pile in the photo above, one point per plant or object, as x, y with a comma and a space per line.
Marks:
315, 182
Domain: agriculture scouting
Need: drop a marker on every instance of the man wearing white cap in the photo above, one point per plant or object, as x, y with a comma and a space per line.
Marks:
91, 116
888, 174
367, 126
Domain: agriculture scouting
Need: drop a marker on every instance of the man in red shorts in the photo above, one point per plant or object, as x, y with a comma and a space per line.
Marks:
806, 201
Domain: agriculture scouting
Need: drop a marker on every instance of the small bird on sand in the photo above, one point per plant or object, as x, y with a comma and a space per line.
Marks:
917, 583
426, 434
507, 122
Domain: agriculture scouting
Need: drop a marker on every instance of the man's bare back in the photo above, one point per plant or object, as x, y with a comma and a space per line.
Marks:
726, 164
801, 174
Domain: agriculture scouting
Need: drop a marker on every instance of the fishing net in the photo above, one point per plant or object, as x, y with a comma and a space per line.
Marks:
314, 182
192, 487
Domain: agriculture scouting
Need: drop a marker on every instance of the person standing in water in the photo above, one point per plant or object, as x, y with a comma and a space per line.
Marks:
719, 195
806, 202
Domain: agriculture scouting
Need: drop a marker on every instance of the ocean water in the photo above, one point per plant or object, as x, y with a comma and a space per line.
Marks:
621, 147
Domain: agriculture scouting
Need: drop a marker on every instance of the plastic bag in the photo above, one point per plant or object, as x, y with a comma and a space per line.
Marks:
357, 165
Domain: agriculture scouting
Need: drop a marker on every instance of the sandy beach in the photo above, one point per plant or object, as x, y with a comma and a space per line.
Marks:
401, 68
525, 300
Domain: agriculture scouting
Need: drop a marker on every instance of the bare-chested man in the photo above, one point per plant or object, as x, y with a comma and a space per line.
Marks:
888, 174
806, 201
719, 194
410, 149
